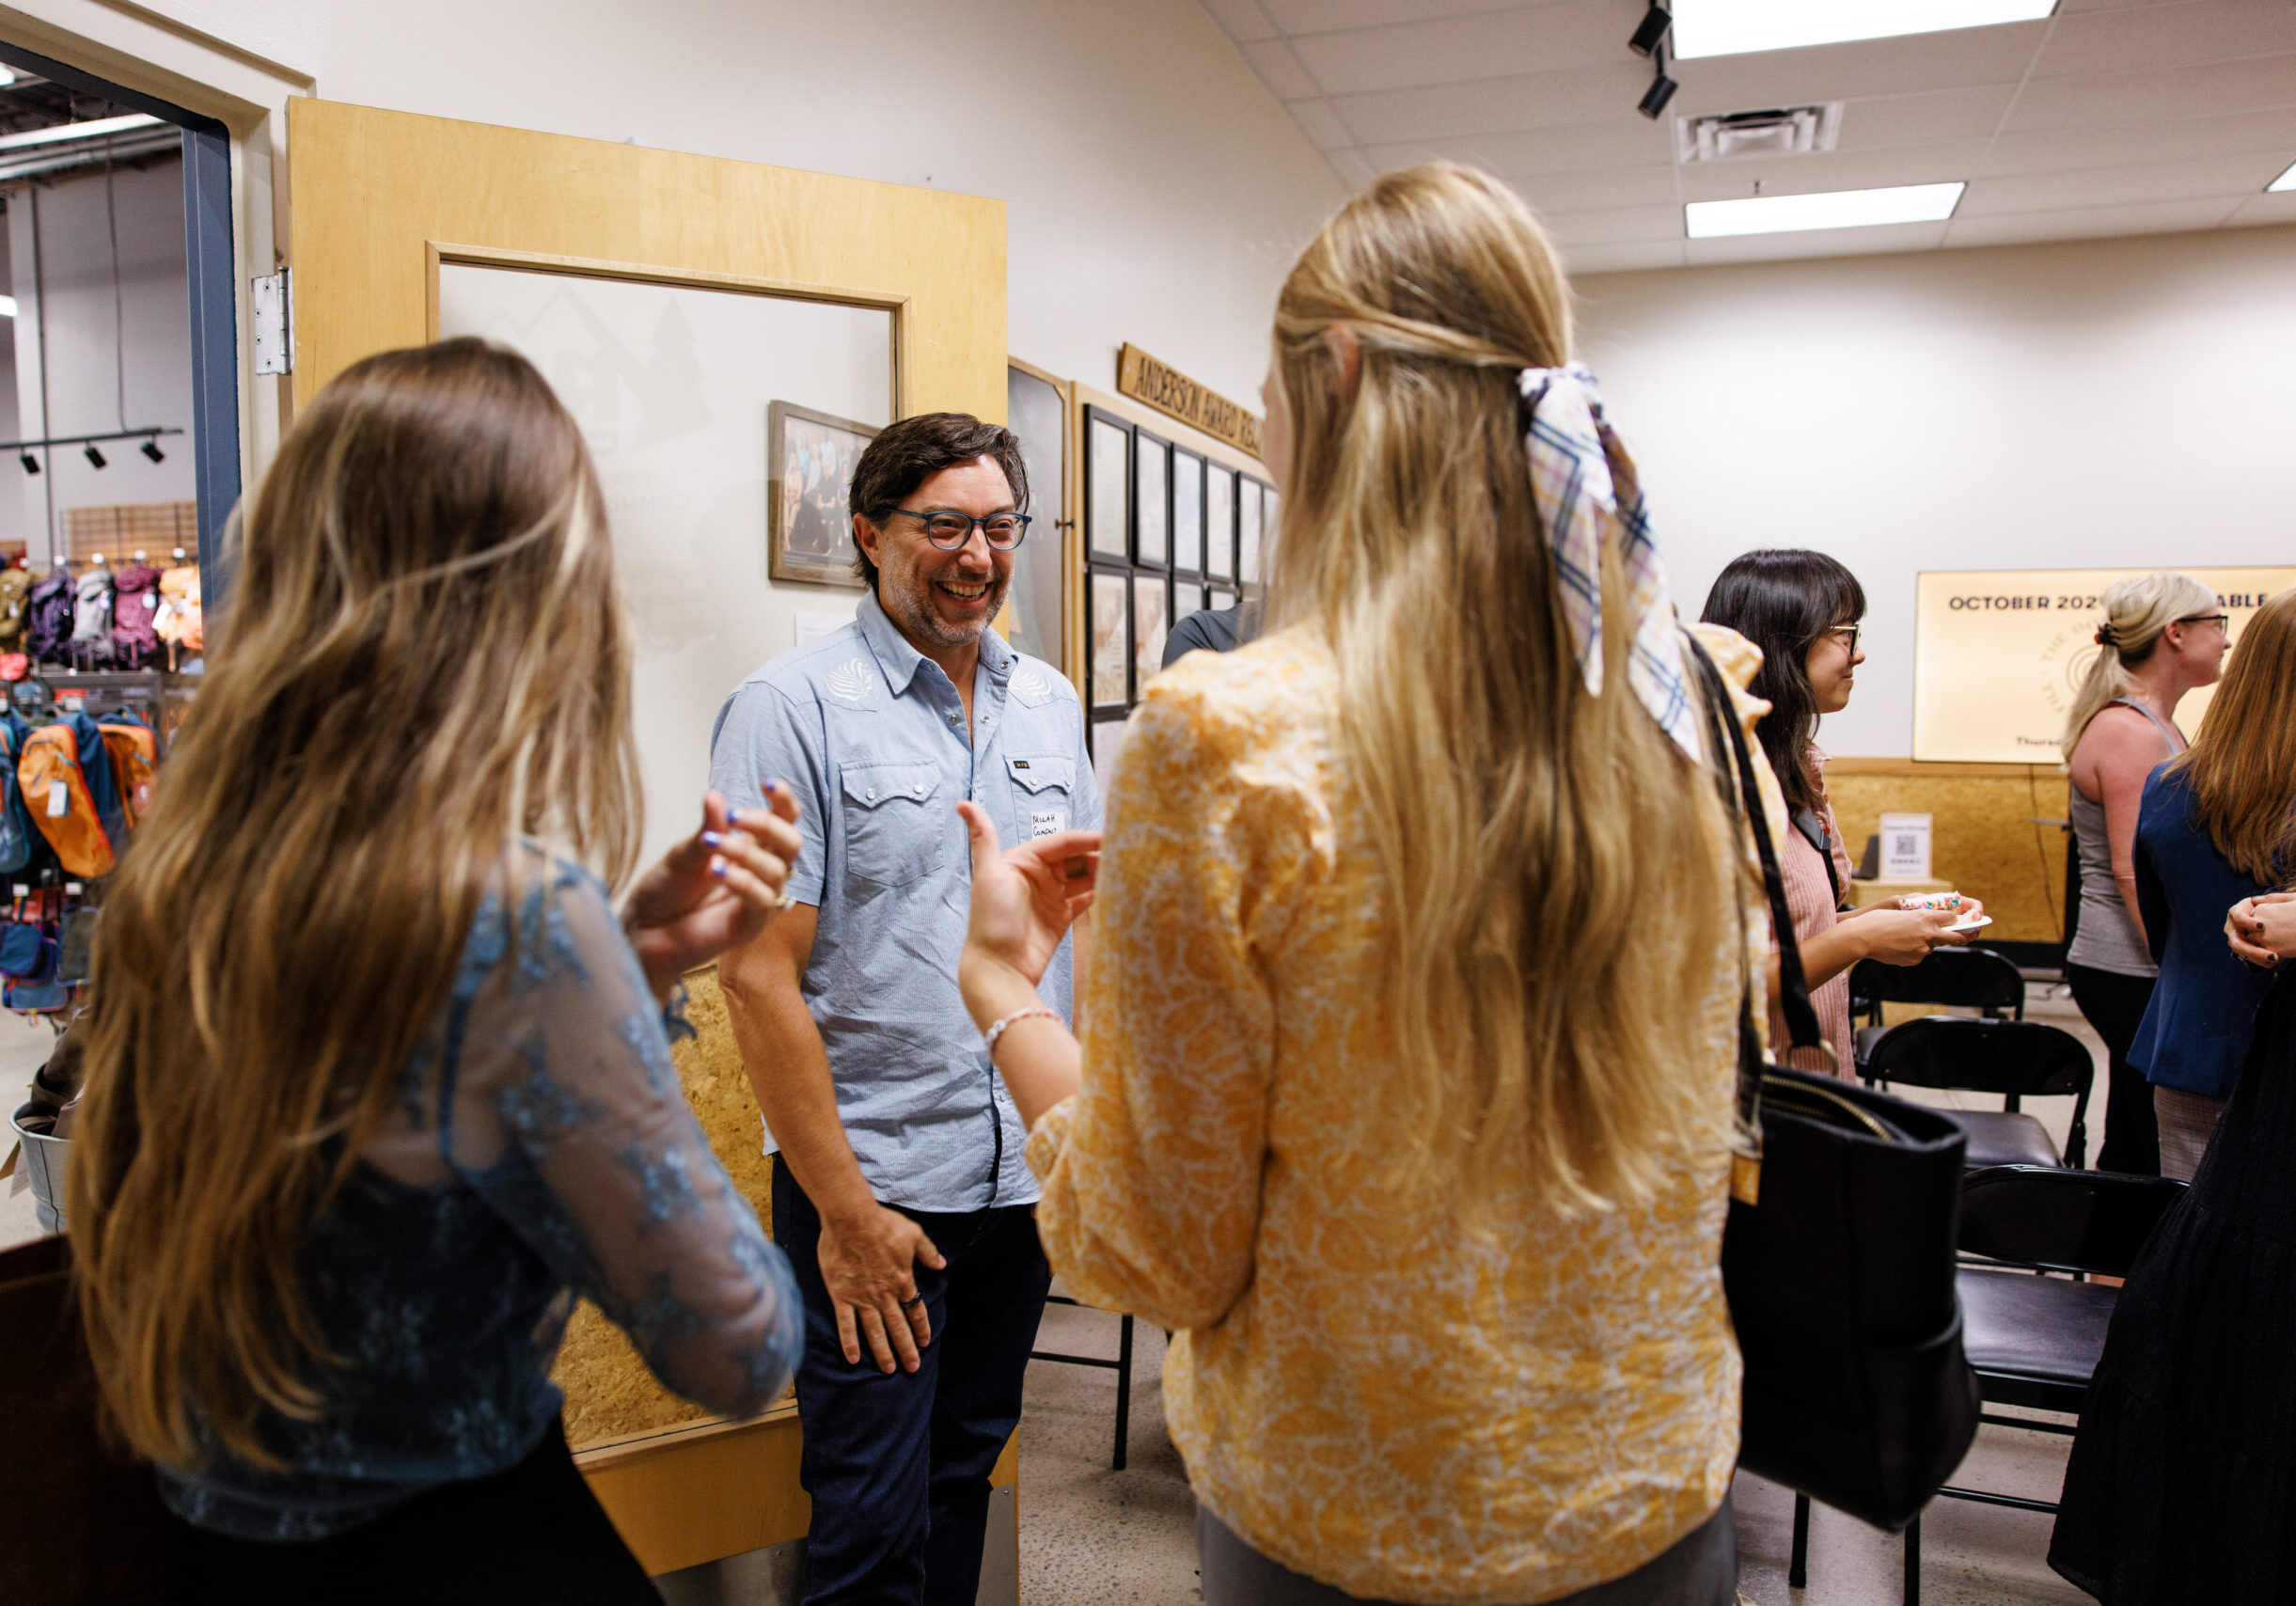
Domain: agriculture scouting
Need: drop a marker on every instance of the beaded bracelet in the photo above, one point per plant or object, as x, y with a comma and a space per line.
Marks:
988, 1038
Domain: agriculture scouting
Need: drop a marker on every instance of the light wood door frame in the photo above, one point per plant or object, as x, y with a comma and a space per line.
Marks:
380, 198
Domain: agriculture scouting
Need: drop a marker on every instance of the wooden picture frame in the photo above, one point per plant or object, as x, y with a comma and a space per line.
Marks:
809, 459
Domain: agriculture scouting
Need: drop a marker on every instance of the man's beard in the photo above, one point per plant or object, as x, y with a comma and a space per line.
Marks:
924, 620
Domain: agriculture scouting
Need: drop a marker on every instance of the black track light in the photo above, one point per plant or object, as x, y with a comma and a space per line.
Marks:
152, 450
1654, 25
93, 456
31, 463
1655, 97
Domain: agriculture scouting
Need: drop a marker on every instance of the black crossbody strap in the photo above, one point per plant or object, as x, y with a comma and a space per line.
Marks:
1793, 984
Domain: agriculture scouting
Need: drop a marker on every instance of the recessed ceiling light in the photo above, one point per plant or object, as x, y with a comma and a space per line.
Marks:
1732, 27
1830, 209
2285, 181
8, 306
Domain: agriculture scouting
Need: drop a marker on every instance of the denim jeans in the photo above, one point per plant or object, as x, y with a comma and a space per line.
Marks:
898, 1463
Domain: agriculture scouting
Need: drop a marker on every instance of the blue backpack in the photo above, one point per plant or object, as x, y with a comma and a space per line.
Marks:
15, 823
96, 765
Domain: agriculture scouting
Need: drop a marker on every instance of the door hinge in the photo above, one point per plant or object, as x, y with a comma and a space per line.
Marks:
275, 322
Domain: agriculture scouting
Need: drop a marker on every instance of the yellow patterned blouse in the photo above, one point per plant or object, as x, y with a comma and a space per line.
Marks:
1371, 1397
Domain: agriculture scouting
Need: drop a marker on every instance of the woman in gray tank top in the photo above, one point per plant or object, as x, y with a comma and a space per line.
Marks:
2163, 635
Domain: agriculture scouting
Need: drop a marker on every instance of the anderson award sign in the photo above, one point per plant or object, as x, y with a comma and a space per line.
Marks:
1999, 655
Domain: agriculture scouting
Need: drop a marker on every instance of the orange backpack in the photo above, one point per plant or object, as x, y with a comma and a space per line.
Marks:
134, 755
57, 795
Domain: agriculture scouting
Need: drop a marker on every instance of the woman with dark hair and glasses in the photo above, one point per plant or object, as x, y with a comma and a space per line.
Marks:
1803, 608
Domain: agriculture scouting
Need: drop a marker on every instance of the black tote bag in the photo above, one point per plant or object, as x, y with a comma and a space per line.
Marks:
1838, 1258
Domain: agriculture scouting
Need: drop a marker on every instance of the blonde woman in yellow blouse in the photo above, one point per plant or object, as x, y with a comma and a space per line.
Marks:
1404, 1096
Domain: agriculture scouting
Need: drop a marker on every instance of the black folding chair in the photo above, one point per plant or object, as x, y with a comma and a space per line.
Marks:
1956, 978
2016, 1059
2033, 1334
1122, 1366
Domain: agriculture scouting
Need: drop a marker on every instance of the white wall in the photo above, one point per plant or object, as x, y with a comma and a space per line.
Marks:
1155, 191
72, 312
2121, 403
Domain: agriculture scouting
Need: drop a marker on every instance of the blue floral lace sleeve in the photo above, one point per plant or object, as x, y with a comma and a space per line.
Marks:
563, 1112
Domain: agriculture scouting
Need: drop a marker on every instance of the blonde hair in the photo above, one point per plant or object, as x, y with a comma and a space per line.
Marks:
423, 660
1556, 892
2242, 766
2137, 612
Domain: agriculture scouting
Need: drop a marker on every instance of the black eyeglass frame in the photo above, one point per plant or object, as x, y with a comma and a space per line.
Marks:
1023, 520
1851, 631
2222, 621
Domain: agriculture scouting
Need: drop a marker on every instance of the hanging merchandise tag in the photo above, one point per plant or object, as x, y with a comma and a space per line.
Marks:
59, 800
160, 610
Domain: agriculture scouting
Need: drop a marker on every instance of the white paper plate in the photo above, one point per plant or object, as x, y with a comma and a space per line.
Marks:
1971, 925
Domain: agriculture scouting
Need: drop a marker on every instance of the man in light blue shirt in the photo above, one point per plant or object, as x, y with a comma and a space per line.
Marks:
899, 1194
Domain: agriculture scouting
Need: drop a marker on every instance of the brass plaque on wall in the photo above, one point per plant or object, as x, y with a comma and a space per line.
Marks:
1168, 390
1998, 656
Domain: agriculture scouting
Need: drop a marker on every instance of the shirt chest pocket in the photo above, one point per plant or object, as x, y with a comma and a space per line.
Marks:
1040, 787
895, 827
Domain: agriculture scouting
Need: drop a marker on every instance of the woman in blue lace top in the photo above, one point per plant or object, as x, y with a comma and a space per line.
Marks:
378, 1079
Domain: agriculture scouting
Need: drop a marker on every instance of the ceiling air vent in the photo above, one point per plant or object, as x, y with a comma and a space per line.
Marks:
1735, 136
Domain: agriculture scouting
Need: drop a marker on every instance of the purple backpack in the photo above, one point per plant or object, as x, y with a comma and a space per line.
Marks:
52, 609
134, 640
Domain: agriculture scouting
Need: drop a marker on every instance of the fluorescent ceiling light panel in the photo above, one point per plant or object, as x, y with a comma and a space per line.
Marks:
2284, 182
1830, 209
8, 306
1733, 27
58, 133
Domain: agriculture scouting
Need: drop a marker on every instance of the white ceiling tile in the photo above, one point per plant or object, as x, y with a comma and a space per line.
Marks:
1841, 170
1816, 242
2173, 92
2265, 208
2194, 179
1960, 59
1614, 224
1548, 99
1280, 69
1332, 16
2087, 223
2069, 7
1617, 142
1625, 257
2105, 145
1354, 168
2182, 36
1320, 123
1244, 19
1878, 122
1599, 191
1462, 49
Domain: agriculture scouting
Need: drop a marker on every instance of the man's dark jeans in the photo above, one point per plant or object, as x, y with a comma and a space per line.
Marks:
898, 1463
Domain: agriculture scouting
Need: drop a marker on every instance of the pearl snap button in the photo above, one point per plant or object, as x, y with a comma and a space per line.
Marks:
872, 795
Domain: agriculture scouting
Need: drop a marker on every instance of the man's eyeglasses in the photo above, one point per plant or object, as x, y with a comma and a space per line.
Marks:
949, 531
2222, 621
1848, 636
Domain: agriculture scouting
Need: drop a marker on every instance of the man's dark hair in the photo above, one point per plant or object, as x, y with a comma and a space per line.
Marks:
906, 454
1783, 598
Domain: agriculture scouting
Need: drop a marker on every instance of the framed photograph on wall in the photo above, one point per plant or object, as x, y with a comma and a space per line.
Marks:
810, 459
1218, 600
1036, 408
1151, 499
1108, 466
1151, 624
1186, 511
1254, 509
1111, 641
1218, 522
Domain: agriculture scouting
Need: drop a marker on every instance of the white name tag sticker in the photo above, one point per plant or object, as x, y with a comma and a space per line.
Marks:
1047, 823
59, 799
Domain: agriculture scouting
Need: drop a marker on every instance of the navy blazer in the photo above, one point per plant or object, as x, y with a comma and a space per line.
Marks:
2195, 1030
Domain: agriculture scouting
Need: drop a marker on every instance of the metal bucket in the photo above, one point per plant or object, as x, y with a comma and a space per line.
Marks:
43, 1161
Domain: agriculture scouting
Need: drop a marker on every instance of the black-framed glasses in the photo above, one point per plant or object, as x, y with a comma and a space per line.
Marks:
2222, 621
948, 531
1847, 634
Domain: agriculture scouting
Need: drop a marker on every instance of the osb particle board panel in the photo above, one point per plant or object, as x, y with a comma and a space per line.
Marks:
610, 1394
1985, 841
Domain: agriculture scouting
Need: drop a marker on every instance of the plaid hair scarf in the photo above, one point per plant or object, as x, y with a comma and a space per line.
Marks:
1584, 485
